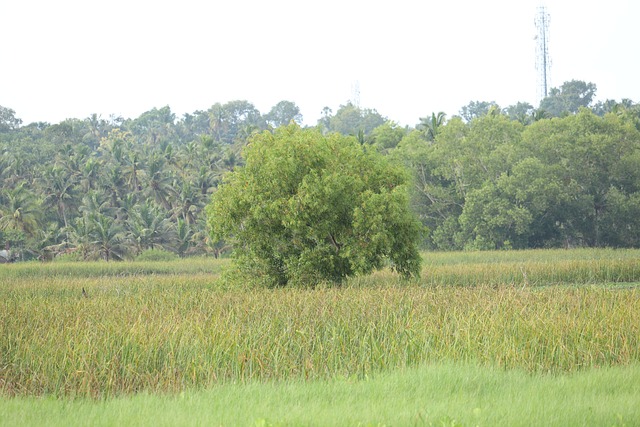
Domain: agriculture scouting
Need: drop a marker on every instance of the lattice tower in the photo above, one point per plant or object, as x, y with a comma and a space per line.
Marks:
543, 60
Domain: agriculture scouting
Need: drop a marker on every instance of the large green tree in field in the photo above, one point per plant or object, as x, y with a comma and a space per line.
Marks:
308, 208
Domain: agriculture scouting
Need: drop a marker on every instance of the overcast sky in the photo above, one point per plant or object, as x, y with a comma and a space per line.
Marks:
71, 58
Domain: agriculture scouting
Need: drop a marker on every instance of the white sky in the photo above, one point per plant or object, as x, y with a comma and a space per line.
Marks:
71, 58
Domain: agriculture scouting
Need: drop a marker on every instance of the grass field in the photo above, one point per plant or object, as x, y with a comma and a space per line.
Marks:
431, 395
481, 338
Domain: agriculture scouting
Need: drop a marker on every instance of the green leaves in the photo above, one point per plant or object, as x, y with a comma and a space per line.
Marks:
496, 183
308, 208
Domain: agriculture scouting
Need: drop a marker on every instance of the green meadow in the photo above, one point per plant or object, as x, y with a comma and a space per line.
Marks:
484, 338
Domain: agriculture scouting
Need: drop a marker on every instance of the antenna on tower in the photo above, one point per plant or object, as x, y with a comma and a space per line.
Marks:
355, 93
543, 61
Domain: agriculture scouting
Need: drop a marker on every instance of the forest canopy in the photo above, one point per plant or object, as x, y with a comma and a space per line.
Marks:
564, 174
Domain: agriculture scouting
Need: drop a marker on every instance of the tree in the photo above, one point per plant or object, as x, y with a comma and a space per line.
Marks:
283, 113
59, 190
98, 128
603, 107
386, 136
477, 109
81, 236
351, 120
108, 238
20, 210
434, 198
308, 208
431, 125
184, 235
569, 98
490, 221
520, 209
153, 126
148, 227
8, 120
232, 120
522, 112
590, 155
469, 154
158, 182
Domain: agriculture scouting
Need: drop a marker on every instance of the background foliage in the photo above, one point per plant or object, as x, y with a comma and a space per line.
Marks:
562, 175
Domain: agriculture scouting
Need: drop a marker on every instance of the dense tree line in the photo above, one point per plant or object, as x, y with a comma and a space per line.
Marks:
564, 174
114, 188
495, 183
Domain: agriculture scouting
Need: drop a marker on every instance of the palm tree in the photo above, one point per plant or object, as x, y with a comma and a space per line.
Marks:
108, 238
158, 182
189, 154
89, 174
219, 123
148, 227
82, 236
184, 237
113, 183
15, 170
539, 114
205, 180
131, 170
431, 125
98, 129
4, 167
21, 210
97, 202
200, 240
59, 190
188, 203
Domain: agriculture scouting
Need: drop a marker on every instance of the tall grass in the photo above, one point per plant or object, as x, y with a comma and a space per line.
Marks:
165, 333
532, 267
535, 273
39, 270
550, 256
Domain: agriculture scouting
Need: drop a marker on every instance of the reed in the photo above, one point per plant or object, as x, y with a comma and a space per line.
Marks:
84, 269
170, 332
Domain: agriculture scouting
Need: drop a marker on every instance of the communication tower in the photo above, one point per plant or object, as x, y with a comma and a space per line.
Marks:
543, 61
355, 93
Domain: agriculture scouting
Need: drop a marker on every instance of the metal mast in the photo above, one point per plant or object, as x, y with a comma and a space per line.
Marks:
543, 62
355, 93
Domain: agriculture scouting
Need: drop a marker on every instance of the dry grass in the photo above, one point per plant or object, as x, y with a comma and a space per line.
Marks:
170, 332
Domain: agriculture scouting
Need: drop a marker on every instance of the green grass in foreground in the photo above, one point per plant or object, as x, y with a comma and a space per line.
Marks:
439, 395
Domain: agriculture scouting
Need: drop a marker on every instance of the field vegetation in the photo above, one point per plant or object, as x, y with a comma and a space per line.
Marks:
167, 327
482, 338
443, 395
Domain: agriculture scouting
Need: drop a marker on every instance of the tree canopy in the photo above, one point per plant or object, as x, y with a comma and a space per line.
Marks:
519, 177
568, 98
307, 208
495, 183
